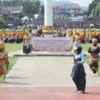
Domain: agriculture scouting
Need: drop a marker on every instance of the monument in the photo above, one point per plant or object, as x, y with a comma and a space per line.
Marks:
48, 43
48, 28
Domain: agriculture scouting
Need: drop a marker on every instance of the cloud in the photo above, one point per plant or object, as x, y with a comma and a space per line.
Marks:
80, 2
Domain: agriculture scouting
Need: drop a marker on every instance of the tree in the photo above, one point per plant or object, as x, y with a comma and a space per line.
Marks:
36, 4
31, 7
27, 8
96, 6
12, 3
16, 2
6, 3
42, 9
2, 22
97, 9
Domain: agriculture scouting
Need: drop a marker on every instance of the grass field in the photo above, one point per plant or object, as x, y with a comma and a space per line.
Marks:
12, 61
14, 47
86, 46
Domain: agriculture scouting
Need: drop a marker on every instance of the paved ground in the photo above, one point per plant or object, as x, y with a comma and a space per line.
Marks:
52, 75
65, 93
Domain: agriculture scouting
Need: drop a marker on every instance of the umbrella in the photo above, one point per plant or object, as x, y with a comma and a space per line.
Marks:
36, 15
91, 25
10, 25
25, 18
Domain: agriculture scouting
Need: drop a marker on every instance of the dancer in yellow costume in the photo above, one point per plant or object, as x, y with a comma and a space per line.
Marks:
82, 35
4, 63
87, 35
77, 41
69, 33
26, 43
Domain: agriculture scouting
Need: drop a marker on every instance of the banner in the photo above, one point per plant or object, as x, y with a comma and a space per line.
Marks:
52, 44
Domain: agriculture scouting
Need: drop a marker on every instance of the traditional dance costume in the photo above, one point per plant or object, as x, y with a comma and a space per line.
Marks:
4, 64
27, 44
94, 58
82, 35
77, 39
78, 72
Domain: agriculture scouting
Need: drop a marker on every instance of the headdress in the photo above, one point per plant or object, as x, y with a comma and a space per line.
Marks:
2, 45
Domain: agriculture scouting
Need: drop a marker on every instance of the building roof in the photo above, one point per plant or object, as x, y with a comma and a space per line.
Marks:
12, 9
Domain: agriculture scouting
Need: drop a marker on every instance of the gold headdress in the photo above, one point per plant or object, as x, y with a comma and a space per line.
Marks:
2, 45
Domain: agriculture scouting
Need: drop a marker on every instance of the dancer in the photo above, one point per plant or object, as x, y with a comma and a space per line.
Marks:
78, 72
26, 43
4, 63
94, 50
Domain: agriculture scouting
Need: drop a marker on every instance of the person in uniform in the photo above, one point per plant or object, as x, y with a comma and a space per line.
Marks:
82, 35
97, 36
77, 39
18, 39
4, 63
10, 37
87, 35
91, 35
69, 33
94, 50
26, 43
4, 36
78, 72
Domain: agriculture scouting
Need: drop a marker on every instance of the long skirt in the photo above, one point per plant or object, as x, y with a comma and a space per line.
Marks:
79, 77
83, 41
11, 41
26, 50
3, 72
18, 40
94, 66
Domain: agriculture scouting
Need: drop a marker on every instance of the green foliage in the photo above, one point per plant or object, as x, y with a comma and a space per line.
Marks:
42, 9
2, 21
6, 3
97, 9
12, 3
31, 7
16, 2
96, 6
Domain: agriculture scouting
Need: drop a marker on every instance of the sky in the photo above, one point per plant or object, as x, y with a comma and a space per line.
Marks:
80, 2
84, 3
